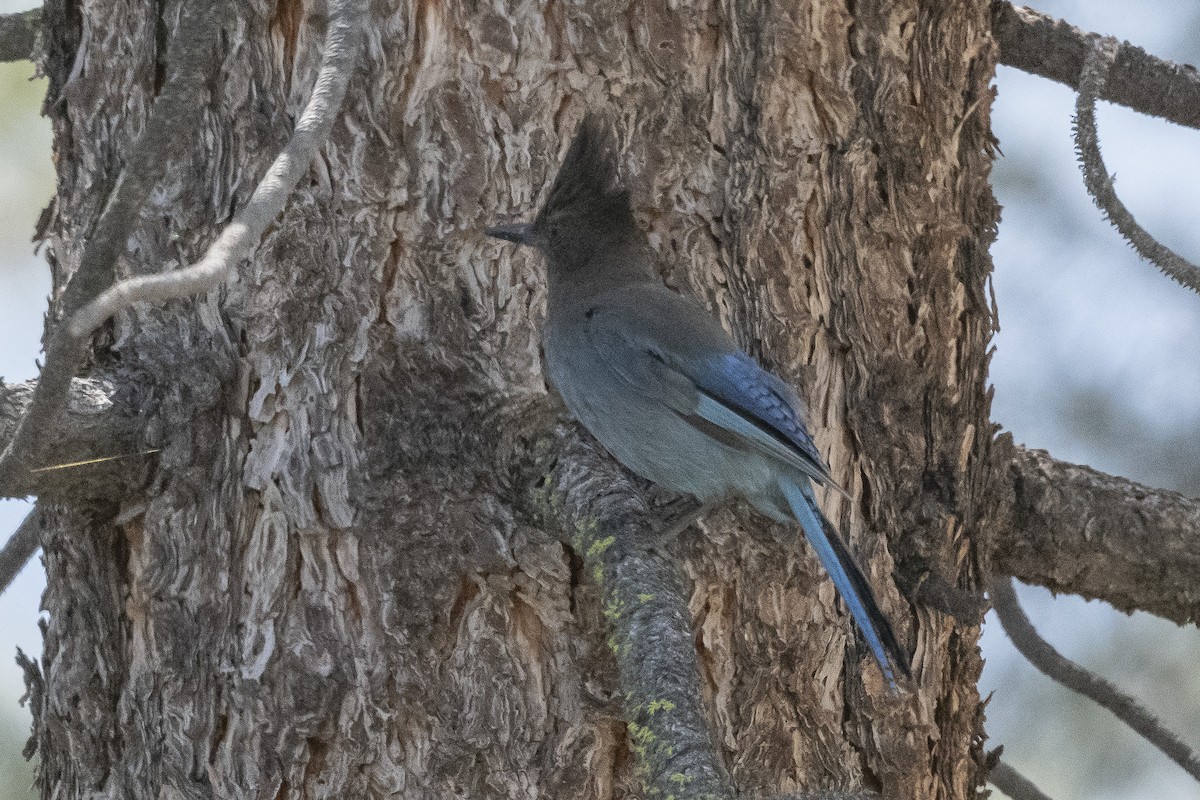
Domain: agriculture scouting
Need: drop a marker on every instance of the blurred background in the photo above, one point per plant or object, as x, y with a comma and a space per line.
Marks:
1097, 361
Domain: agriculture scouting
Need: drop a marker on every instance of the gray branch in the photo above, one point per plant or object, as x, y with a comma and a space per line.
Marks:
19, 548
94, 427
241, 237
174, 116
18, 34
1054, 49
1014, 784
1074, 529
1099, 183
1074, 677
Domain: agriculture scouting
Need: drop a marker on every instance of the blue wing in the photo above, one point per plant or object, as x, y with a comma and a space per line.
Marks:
738, 394
741, 396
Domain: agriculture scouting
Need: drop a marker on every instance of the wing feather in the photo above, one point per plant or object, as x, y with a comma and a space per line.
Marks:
704, 376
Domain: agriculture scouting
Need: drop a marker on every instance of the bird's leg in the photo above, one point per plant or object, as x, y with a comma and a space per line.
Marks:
676, 516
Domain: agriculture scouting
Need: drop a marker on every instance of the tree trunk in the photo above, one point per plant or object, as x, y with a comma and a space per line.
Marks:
331, 584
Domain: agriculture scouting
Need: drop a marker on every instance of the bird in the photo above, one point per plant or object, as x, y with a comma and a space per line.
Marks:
660, 383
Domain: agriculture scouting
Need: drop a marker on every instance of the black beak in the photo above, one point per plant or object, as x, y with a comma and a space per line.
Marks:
518, 232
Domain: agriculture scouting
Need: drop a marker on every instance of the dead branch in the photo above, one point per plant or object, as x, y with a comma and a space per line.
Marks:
1077, 530
196, 35
1054, 49
1100, 185
1082, 681
19, 548
240, 237
1014, 784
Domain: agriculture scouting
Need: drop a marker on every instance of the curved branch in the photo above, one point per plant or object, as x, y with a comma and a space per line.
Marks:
1049, 47
241, 236
1074, 677
19, 548
1099, 183
1014, 784
174, 116
1074, 529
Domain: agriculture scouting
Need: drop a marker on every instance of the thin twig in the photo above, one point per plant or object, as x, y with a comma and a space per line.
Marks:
241, 236
18, 34
1054, 49
1014, 784
175, 116
1100, 186
1066, 672
19, 548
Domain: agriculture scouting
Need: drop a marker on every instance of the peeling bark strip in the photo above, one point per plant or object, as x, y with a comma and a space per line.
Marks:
1076, 530
1055, 49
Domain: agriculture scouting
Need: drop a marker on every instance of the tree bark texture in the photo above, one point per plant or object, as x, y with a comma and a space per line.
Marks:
329, 587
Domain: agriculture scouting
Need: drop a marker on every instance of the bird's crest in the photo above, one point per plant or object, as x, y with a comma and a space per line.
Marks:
587, 183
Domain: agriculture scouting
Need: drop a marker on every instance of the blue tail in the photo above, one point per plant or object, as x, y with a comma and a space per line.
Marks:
851, 584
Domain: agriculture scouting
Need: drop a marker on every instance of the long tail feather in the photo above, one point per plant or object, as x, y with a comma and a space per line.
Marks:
850, 582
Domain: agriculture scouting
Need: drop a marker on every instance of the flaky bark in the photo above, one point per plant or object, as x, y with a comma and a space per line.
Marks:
1074, 529
330, 585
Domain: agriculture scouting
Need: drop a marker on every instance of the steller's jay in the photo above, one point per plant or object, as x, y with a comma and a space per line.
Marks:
662, 385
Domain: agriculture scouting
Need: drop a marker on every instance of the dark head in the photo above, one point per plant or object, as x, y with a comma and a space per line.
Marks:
587, 207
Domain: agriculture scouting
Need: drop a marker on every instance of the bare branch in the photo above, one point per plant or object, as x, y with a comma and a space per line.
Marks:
1074, 529
18, 34
94, 424
1066, 672
1014, 784
174, 116
1100, 185
1053, 49
19, 548
241, 236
